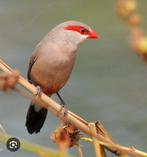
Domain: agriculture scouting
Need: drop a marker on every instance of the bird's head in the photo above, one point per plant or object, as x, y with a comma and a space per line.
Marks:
74, 31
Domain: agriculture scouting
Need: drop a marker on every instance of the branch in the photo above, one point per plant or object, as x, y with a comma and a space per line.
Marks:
77, 121
99, 150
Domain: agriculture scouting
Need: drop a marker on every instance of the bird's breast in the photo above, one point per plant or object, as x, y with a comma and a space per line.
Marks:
51, 72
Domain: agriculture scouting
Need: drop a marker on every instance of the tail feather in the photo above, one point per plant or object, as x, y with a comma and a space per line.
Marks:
35, 119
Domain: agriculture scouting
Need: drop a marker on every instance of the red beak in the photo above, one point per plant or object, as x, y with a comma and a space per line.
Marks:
93, 35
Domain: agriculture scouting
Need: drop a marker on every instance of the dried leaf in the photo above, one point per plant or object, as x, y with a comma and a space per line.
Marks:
8, 81
66, 136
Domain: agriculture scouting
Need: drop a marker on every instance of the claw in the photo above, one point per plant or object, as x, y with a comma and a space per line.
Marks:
38, 91
63, 112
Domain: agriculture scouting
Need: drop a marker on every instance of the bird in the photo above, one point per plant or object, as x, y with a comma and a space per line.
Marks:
51, 65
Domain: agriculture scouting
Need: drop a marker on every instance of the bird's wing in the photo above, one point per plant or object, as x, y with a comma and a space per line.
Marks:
32, 61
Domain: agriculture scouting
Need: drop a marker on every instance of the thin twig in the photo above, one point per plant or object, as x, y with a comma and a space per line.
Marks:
98, 148
2, 130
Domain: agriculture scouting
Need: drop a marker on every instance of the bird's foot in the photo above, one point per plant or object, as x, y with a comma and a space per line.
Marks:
63, 112
38, 91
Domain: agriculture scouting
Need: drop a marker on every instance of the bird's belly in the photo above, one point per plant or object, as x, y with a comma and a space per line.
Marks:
51, 77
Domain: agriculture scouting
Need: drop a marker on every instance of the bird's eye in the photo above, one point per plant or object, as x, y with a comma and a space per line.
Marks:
84, 31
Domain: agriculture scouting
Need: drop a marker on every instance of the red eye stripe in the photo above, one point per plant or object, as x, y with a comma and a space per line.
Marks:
79, 29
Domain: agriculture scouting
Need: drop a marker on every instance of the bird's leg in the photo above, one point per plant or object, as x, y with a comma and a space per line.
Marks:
62, 101
63, 104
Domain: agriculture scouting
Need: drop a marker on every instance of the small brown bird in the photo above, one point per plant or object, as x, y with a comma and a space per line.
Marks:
51, 64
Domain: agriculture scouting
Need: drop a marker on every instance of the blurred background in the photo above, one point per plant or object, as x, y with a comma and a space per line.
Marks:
108, 83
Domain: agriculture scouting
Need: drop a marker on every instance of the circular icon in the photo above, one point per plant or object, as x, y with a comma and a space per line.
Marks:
13, 144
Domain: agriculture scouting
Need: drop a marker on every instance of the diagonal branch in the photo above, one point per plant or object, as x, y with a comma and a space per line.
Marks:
72, 118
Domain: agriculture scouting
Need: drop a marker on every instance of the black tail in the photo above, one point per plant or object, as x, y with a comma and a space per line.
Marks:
35, 119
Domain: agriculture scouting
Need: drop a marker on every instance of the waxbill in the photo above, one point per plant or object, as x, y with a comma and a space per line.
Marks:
51, 64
